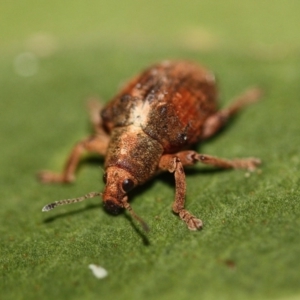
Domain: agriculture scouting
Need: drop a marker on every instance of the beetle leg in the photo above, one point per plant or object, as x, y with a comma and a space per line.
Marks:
97, 144
173, 164
214, 123
191, 157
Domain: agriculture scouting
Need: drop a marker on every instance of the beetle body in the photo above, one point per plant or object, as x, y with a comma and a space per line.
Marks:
149, 126
168, 102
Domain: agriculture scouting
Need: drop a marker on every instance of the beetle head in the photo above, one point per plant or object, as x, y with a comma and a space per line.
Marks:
118, 183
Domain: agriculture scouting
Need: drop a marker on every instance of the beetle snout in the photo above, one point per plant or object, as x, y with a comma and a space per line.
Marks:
112, 207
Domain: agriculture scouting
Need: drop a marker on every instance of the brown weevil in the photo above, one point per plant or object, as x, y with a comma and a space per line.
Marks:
149, 127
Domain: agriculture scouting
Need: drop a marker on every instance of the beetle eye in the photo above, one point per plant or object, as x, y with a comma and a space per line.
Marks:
104, 178
127, 185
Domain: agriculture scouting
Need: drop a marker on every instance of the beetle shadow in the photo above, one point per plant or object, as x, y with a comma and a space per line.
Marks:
143, 235
91, 160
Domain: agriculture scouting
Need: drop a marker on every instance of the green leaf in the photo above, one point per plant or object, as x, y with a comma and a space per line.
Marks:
53, 57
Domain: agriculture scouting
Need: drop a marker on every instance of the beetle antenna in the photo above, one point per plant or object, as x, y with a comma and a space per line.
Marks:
135, 216
50, 206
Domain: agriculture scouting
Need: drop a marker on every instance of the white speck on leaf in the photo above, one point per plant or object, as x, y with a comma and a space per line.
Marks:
98, 271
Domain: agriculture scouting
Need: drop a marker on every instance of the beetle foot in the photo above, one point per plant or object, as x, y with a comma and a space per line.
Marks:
191, 221
51, 177
250, 163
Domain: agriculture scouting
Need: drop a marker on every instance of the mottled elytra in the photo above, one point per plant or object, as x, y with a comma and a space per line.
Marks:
149, 127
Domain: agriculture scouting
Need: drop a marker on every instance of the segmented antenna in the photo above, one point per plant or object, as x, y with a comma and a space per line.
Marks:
135, 216
70, 201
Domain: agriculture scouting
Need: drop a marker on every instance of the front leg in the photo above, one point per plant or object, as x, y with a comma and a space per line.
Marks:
173, 164
96, 144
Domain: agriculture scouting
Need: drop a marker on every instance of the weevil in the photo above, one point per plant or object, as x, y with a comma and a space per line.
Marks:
150, 126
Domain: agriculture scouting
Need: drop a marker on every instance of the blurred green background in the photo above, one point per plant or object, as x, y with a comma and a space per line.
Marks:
53, 55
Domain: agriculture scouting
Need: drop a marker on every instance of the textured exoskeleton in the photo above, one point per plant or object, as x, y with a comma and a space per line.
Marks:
149, 127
